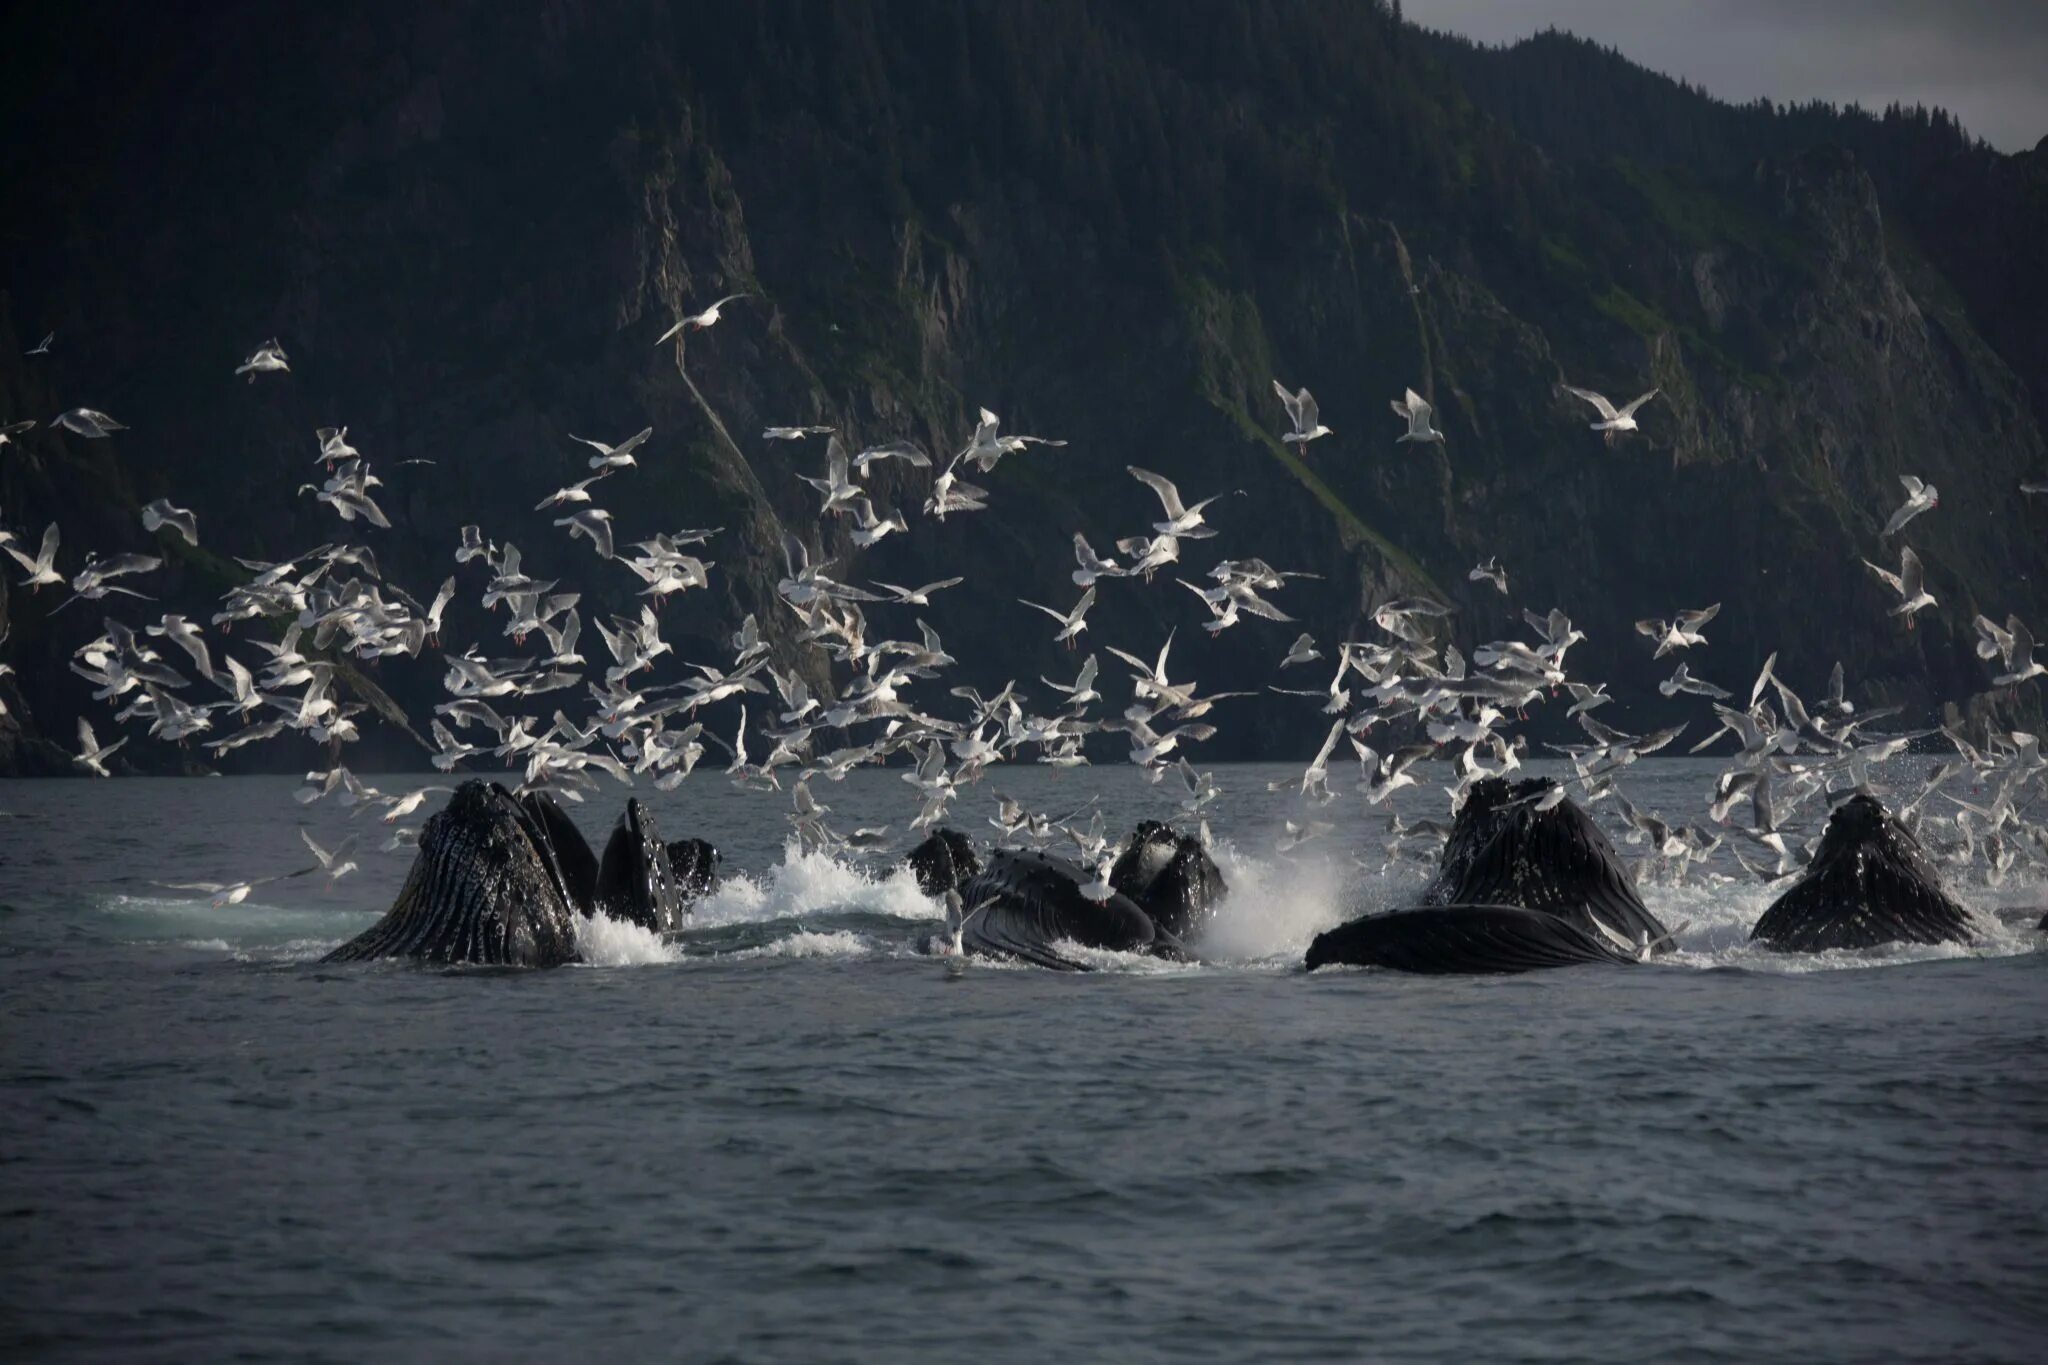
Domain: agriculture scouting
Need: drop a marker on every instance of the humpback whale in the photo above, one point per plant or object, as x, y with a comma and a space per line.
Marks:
634, 883
1869, 883
1170, 877
1517, 889
943, 862
1023, 906
500, 879
487, 886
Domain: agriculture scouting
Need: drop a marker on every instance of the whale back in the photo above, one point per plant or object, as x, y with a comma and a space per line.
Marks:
559, 839
481, 890
1464, 939
1869, 883
943, 862
694, 863
634, 882
1506, 852
1022, 905
1169, 876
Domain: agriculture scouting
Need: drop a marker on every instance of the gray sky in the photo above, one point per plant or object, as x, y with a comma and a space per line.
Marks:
1985, 61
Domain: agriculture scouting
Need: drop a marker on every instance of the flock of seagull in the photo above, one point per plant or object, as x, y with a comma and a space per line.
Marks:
1405, 696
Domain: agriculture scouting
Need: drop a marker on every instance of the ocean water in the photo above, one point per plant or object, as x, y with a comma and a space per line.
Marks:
791, 1137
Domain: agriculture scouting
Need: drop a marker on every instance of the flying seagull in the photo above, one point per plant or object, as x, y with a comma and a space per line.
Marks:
1303, 414
1907, 583
87, 423
1411, 407
1491, 572
1612, 419
1920, 497
263, 360
159, 514
699, 321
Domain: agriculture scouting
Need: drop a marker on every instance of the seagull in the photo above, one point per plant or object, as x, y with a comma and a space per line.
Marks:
595, 523
1093, 566
42, 347
1586, 698
2016, 645
916, 597
233, 893
91, 583
185, 635
1082, 690
1492, 572
699, 321
160, 514
1680, 634
1183, 522
1302, 651
331, 863
87, 423
401, 806
575, 492
613, 457
13, 429
838, 490
1907, 583
266, 358
90, 755
908, 451
41, 570
1682, 681
869, 528
1920, 497
987, 448
1612, 419
788, 433
1072, 623
1303, 414
334, 445
1411, 407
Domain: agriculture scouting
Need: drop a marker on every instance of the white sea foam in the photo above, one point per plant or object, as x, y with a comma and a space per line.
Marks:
1274, 907
607, 942
809, 883
839, 943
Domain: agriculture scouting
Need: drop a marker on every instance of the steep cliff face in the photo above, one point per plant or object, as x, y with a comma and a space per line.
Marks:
469, 236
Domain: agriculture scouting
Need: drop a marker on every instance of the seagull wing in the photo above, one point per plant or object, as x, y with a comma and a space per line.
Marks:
1169, 496
1891, 579
1599, 402
1630, 410
1291, 403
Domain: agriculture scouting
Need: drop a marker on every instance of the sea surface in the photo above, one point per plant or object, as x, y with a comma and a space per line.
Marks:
791, 1137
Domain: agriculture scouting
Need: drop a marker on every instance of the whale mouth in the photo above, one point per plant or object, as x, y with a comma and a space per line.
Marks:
1024, 906
1169, 876
1869, 884
484, 888
1504, 851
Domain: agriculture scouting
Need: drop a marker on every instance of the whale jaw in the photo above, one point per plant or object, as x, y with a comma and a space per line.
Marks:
634, 882
1868, 884
1024, 906
482, 890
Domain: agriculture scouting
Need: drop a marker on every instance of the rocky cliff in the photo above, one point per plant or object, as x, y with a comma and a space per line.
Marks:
468, 225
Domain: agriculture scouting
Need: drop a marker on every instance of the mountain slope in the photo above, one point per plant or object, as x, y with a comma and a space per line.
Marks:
470, 225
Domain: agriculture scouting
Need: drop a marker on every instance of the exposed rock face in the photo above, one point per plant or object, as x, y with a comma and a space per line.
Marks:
465, 273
